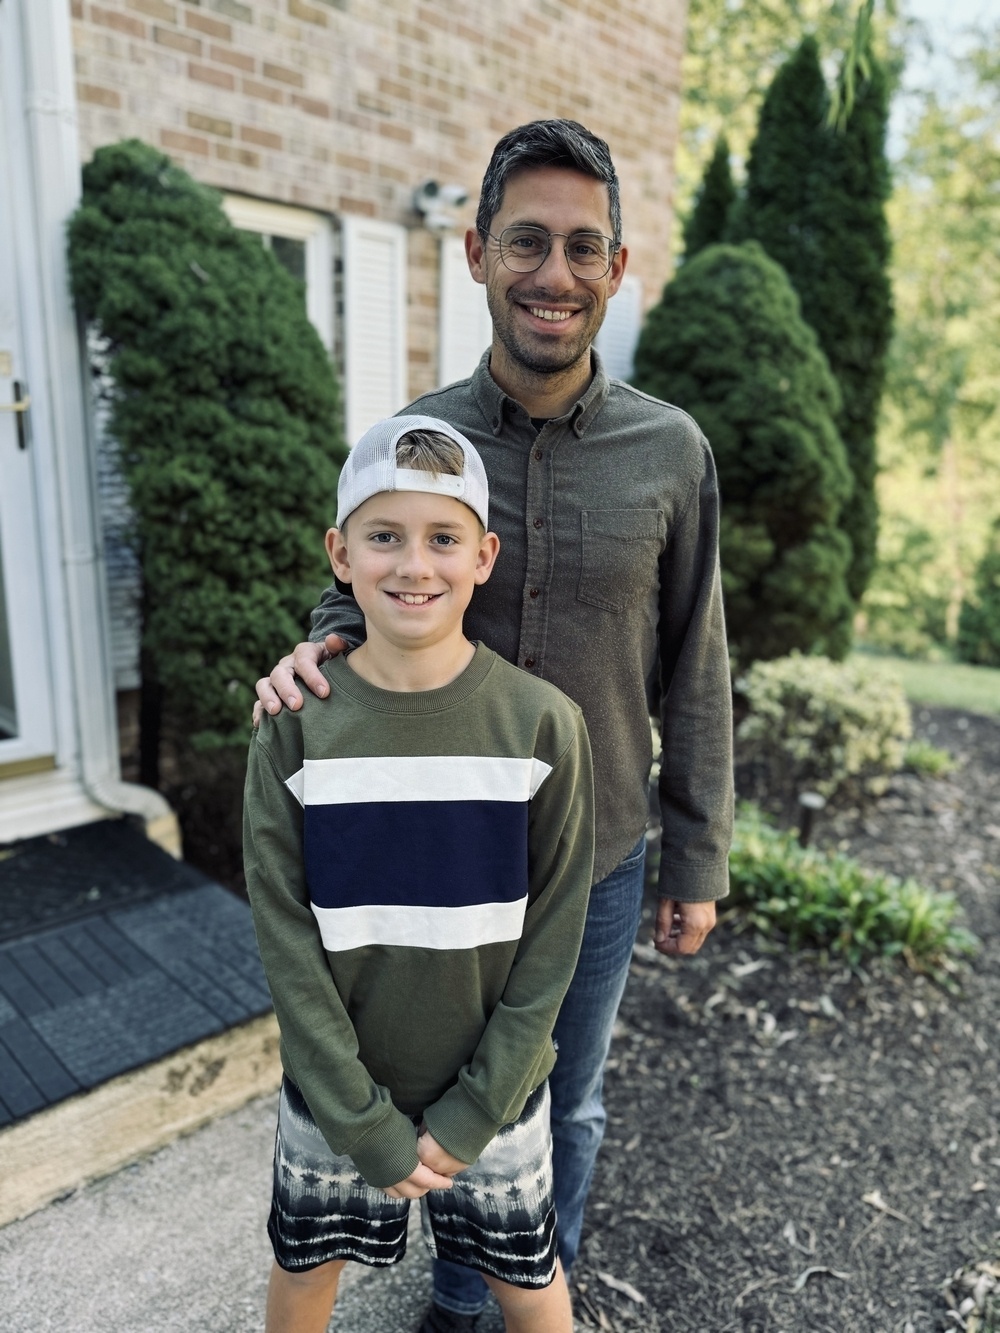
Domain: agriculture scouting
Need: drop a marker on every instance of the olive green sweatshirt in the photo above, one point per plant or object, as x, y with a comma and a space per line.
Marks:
419, 866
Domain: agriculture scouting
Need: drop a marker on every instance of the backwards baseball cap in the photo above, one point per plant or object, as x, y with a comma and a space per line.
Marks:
371, 469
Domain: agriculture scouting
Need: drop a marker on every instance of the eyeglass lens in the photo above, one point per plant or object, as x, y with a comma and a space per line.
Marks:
524, 249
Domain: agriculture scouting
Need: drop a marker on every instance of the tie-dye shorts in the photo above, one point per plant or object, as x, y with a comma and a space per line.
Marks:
498, 1217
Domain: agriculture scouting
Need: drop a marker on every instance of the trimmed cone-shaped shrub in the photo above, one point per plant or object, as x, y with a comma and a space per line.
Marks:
225, 407
815, 200
979, 621
709, 216
727, 344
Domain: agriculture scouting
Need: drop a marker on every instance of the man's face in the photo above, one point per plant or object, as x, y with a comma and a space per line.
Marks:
545, 321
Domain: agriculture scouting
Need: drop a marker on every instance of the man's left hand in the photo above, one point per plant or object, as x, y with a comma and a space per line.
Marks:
681, 928
433, 1155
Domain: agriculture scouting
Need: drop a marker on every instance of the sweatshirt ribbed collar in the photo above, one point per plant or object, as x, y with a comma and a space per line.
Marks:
412, 703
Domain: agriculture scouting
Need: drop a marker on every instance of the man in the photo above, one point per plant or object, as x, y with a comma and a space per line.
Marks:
606, 505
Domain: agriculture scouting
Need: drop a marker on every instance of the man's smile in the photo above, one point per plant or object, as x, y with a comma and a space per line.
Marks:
414, 598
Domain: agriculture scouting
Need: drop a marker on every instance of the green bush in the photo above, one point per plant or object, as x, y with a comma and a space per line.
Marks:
225, 407
979, 621
727, 344
815, 200
839, 728
815, 900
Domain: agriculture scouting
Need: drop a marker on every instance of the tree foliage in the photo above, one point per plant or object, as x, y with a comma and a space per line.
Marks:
727, 343
815, 199
709, 217
225, 408
938, 437
979, 623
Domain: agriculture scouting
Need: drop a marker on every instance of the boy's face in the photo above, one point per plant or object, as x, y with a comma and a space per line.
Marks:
413, 559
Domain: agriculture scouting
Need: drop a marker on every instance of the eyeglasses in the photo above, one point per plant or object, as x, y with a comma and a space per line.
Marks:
525, 249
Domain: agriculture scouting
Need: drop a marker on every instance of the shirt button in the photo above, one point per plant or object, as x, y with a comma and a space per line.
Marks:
539, 523
533, 592
538, 453
529, 661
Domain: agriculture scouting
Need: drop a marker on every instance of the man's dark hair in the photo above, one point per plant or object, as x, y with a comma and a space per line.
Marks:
548, 143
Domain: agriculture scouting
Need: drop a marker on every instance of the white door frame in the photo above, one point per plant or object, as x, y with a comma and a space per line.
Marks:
43, 159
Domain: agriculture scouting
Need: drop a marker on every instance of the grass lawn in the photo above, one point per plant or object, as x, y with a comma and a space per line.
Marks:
945, 684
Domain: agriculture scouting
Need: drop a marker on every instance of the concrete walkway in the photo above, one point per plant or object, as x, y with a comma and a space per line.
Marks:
176, 1244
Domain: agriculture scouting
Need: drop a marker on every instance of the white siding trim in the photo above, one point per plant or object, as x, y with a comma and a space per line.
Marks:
374, 328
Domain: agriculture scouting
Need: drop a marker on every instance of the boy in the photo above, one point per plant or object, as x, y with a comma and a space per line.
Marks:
418, 856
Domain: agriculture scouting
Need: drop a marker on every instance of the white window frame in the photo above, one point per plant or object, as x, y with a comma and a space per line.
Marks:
295, 224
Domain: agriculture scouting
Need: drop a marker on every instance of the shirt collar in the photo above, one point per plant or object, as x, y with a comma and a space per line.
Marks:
495, 405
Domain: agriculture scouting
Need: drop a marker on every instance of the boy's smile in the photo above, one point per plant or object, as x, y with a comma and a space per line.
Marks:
413, 559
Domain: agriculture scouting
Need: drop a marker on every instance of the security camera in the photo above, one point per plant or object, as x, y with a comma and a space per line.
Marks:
432, 201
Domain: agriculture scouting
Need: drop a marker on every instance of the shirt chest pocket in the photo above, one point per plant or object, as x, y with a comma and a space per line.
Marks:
619, 552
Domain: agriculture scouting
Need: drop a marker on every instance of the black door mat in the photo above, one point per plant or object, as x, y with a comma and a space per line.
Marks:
94, 997
83, 871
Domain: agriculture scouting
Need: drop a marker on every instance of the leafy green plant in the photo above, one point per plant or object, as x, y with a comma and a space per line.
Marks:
839, 728
927, 760
707, 222
829, 902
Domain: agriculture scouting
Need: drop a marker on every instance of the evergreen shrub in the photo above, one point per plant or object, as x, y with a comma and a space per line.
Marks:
838, 728
815, 200
815, 900
727, 344
710, 215
979, 621
225, 408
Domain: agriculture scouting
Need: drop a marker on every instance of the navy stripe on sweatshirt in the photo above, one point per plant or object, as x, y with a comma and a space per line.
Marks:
442, 841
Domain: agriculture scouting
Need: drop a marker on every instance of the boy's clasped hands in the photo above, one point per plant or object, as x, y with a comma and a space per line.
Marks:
434, 1171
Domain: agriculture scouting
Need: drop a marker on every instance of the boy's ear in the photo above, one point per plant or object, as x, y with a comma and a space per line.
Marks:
336, 549
489, 549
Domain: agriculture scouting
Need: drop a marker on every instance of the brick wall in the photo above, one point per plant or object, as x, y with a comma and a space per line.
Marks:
345, 105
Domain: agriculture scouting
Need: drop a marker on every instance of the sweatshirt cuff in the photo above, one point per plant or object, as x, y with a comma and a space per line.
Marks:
703, 883
460, 1125
387, 1153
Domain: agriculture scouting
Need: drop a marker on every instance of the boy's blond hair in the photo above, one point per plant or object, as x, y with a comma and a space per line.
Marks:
429, 451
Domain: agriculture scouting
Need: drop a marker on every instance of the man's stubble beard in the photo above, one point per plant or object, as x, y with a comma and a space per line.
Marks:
536, 359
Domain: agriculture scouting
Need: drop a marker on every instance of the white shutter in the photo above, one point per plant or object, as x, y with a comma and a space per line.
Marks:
374, 330
619, 333
466, 329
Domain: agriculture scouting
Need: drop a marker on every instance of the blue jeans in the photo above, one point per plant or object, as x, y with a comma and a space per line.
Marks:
583, 1036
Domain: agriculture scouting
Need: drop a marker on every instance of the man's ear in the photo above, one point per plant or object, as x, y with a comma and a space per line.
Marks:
475, 253
336, 549
617, 270
489, 548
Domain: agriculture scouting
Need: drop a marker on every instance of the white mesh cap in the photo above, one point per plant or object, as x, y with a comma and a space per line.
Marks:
371, 469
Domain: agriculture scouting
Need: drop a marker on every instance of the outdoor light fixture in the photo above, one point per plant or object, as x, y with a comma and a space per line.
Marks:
436, 203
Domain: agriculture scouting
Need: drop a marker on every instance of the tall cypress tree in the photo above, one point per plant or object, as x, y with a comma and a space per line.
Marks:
815, 200
708, 220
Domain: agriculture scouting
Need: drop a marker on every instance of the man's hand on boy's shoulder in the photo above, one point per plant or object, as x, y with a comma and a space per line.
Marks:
418, 1183
434, 1156
279, 688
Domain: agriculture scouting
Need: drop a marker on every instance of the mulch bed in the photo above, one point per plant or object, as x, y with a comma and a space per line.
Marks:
795, 1147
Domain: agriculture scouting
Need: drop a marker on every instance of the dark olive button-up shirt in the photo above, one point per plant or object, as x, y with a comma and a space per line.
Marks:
607, 584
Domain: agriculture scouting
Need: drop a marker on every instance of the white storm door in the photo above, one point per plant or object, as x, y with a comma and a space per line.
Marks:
26, 726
